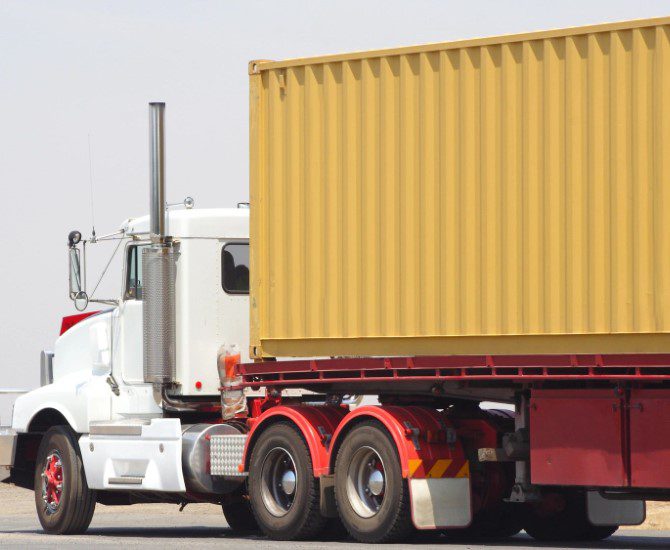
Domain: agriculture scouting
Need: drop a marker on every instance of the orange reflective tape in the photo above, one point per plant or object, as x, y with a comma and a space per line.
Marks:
440, 467
464, 471
413, 464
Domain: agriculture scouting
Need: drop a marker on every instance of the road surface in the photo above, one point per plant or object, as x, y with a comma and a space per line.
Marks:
150, 530
203, 526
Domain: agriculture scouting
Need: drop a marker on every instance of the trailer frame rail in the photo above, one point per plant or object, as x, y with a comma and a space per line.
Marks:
514, 368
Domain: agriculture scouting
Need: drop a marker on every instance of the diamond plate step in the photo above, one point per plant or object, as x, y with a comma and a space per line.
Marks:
225, 454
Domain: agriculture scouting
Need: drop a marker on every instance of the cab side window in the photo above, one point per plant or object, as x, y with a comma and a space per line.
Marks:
235, 268
134, 273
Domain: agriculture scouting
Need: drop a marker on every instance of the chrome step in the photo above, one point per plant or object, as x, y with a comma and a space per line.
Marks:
133, 427
126, 480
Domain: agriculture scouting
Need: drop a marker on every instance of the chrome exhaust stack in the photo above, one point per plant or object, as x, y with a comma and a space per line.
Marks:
157, 200
159, 269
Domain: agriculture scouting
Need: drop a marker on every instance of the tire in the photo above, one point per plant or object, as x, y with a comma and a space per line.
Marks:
373, 510
68, 510
491, 483
499, 523
334, 530
600, 532
238, 513
280, 460
568, 524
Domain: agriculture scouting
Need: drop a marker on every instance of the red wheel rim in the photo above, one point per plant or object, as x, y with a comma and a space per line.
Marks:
52, 482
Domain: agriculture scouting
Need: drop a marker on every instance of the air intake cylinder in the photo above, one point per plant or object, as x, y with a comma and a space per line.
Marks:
158, 310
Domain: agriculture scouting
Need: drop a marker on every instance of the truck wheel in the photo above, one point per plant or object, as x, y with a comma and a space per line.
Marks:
284, 493
372, 497
238, 513
64, 503
600, 532
560, 517
499, 523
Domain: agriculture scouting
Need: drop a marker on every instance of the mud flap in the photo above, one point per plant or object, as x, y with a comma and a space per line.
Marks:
327, 503
603, 511
440, 503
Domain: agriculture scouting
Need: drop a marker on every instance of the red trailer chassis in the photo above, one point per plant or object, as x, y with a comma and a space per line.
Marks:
507, 368
594, 420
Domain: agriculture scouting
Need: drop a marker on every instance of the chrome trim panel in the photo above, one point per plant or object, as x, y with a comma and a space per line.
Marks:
46, 367
8, 438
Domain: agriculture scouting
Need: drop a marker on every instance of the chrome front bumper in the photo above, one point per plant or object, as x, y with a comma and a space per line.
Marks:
8, 438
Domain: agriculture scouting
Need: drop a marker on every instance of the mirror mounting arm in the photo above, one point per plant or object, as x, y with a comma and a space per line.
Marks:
107, 301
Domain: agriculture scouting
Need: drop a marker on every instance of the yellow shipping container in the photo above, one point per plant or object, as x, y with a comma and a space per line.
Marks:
489, 196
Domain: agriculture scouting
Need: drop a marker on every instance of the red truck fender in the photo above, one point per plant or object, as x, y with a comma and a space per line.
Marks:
431, 459
426, 441
316, 424
431, 456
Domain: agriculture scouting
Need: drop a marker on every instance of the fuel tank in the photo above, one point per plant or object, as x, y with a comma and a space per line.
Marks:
195, 459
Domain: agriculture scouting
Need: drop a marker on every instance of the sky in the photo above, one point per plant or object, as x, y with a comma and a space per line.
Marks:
74, 71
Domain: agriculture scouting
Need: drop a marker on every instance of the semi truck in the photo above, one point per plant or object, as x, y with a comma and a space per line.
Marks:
429, 228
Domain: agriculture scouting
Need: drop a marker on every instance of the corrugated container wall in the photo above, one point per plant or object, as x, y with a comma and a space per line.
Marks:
499, 195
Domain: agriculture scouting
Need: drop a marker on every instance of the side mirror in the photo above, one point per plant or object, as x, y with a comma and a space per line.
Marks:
75, 273
73, 238
77, 293
81, 301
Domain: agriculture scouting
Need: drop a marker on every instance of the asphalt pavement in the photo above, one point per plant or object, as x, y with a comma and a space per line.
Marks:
133, 528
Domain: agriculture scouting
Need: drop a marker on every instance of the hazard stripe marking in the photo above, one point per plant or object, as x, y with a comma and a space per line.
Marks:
464, 471
439, 467
414, 464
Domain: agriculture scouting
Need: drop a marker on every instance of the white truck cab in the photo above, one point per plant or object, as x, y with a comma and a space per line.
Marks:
131, 393
97, 369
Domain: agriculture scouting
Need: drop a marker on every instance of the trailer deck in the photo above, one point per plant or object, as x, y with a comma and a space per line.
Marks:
518, 369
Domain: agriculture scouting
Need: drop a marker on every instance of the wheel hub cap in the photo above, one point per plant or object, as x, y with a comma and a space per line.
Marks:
288, 482
52, 482
279, 481
366, 482
376, 482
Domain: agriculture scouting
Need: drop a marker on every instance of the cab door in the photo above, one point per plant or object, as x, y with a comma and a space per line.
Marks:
130, 349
